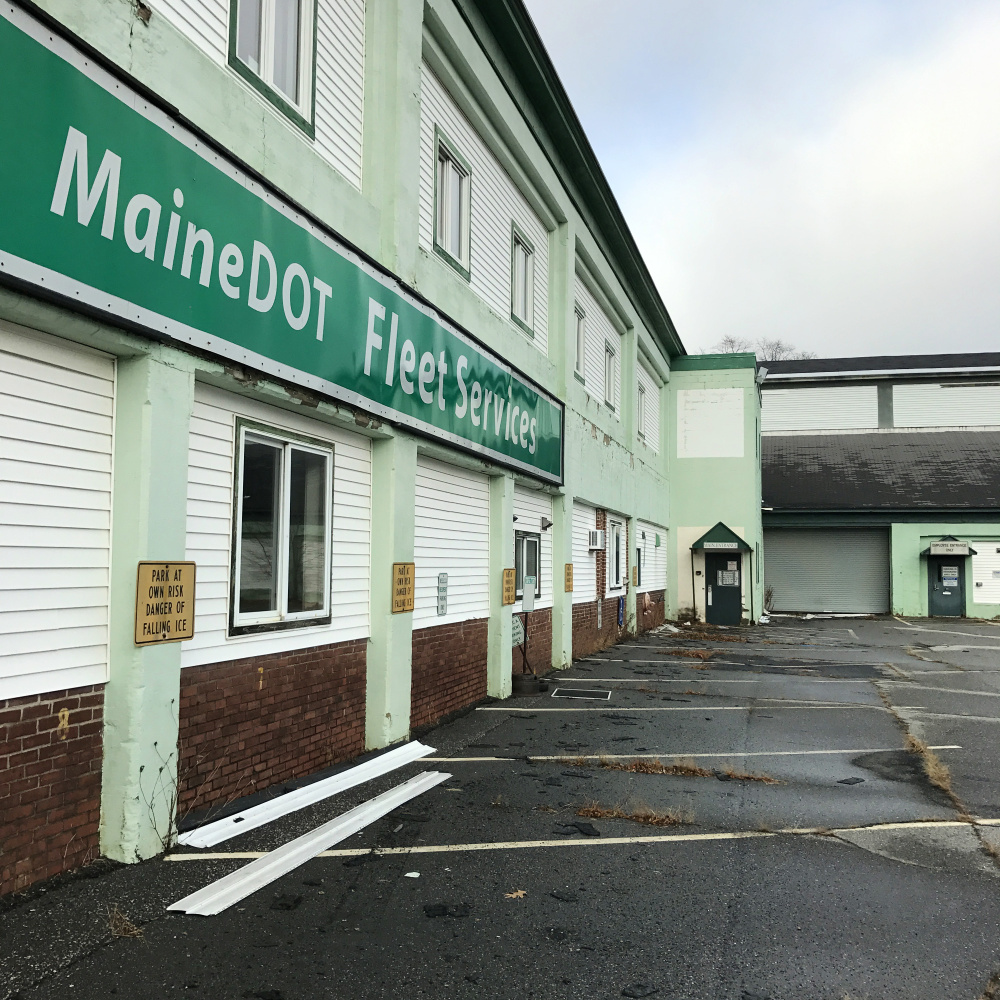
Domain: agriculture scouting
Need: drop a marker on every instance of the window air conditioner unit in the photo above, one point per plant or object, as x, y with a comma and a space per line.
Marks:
595, 540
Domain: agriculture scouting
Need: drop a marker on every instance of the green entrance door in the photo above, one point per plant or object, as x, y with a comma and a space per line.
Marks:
723, 588
946, 586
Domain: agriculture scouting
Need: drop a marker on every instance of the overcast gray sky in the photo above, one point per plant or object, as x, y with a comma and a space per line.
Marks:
824, 171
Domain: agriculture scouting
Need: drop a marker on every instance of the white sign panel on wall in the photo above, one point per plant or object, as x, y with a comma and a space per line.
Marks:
710, 423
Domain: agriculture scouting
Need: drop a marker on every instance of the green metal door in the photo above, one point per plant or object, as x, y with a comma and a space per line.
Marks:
946, 586
723, 588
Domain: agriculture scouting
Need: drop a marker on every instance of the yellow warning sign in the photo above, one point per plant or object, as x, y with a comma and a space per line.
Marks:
568, 578
509, 586
402, 587
164, 602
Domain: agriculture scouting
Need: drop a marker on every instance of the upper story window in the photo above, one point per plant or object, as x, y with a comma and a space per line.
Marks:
610, 375
580, 361
283, 518
272, 45
527, 547
522, 280
640, 410
452, 189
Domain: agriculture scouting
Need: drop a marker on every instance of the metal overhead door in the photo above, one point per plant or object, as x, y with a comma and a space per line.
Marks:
831, 570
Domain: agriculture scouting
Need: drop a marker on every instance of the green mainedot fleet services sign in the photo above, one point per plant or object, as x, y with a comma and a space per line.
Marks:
109, 202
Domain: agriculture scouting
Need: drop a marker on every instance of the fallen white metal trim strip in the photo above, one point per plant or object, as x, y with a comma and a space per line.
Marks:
266, 812
238, 885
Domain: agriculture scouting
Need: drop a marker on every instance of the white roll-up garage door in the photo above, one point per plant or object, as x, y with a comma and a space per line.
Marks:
831, 570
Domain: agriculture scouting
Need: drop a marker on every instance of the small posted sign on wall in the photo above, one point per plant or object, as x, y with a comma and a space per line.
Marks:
164, 602
568, 578
402, 587
509, 586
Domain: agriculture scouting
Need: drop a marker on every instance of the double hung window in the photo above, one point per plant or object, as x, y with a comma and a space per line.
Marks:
283, 515
272, 45
581, 342
527, 549
452, 200
610, 372
522, 281
640, 411
616, 556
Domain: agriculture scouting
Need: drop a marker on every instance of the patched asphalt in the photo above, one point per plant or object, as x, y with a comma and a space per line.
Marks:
846, 874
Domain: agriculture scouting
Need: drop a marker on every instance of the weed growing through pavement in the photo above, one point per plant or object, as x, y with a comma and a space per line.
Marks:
120, 925
640, 813
683, 767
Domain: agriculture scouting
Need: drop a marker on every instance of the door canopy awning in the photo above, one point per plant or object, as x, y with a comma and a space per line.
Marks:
721, 539
949, 545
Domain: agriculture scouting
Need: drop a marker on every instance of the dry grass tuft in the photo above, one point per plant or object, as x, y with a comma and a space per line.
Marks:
685, 767
545, 809
120, 925
703, 694
936, 769
738, 775
639, 814
992, 991
691, 654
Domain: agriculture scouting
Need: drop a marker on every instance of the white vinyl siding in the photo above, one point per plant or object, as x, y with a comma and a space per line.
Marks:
56, 447
654, 558
340, 68
530, 507
210, 537
946, 405
584, 561
495, 203
651, 407
822, 408
451, 534
600, 332
986, 571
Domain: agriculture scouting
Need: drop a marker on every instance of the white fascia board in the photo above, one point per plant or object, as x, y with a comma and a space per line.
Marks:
266, 812
876, 373
220, 895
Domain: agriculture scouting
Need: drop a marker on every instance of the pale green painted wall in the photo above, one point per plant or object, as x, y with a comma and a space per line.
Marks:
909, 570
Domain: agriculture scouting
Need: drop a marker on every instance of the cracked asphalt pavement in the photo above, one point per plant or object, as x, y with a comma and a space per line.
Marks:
792, 846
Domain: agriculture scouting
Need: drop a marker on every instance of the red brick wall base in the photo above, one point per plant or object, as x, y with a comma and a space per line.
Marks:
449, 670
653, 615
50, 784
248, 724
539, 643
587, 637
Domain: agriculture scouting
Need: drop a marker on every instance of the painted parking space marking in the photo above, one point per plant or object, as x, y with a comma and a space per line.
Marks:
672, 755
668, 838
694, 708
931, 687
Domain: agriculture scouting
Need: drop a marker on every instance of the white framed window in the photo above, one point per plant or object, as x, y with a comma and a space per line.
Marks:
640, 411
273, 47
616, 556
609, 375
638, 565
522, 280
452, 190
282, 531
527, 561
581, 343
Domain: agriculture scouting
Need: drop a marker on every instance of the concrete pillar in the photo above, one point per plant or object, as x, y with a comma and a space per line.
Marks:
390, 649
139, 785
562, 602
498, 659
631, 619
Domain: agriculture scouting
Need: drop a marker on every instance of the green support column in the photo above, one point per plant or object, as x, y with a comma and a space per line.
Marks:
631, 617
562, 602
498, 663
138, 797
390, 649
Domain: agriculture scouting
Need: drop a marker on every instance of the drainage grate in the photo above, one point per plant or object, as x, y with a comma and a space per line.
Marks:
587, 693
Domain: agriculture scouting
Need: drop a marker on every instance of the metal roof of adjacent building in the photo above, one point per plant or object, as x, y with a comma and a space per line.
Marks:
884, 364
881, 471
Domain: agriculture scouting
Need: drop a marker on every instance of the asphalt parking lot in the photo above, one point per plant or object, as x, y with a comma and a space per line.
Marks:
748, 814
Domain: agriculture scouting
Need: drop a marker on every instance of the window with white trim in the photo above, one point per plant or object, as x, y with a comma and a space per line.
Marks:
522, 280
640, 411
609, 375
615, 555
581, 342
638, 565
272, 46
282, 550
527, 561
452, 212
